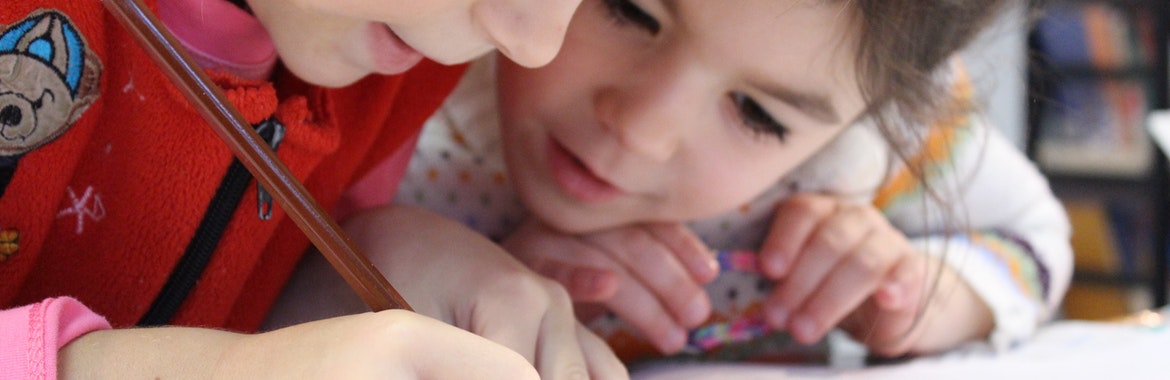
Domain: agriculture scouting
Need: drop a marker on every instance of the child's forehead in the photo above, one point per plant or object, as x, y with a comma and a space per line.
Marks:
771, 38
763, 29
762, 18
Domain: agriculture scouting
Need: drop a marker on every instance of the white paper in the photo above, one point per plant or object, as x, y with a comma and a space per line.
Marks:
1159, 125
1062, 350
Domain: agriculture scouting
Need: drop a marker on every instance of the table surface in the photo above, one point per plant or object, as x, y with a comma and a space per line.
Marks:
1135, 347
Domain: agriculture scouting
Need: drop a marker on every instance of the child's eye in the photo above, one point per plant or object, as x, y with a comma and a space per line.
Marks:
624, 11
756, 118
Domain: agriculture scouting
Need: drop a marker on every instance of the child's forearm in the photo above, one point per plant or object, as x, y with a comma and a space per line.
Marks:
166, 352
361, 346
1006, 276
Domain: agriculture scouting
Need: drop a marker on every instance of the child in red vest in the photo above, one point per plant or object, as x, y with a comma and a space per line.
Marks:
116, 195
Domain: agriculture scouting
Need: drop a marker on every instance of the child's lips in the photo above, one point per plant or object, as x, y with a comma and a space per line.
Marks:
575, 178
391, 55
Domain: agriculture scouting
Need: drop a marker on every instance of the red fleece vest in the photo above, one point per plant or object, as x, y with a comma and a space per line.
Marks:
110, 170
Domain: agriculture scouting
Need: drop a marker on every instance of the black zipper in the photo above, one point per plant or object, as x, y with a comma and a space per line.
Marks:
207, 236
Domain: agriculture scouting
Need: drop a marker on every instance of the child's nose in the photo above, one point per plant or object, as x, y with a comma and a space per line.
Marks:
639, 125
529, 32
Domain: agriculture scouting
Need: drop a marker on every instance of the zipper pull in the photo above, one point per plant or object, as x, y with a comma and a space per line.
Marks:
272, 131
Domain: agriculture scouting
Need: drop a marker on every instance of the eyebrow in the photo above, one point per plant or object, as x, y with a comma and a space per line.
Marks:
814, 105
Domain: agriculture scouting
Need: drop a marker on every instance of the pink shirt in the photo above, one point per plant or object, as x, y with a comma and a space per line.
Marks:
32, 335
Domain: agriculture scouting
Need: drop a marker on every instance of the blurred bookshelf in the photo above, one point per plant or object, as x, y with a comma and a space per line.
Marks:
1098, 68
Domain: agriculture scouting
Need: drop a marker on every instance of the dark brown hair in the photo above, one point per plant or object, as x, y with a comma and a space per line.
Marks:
903, 48
902, 45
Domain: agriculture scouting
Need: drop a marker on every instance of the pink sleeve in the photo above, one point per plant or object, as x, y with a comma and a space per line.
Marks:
32, 335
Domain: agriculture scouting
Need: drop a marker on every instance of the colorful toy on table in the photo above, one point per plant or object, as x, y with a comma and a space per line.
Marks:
737, 320
736, 316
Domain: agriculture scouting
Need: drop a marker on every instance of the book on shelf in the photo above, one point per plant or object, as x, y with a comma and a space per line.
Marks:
1099, 61
1096, 35
1096, 127
1110, 238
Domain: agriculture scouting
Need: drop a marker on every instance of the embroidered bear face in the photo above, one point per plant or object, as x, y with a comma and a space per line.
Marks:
48, 77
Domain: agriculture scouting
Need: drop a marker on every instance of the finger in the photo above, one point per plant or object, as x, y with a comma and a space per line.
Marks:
602, 361
591, 285
837, 236
653, 267
890, 331
560, 352
582, 269
905, 285
795, 220
914, 277
476, 355
639, 308
849, 284
860, 323
585, 284
537, 246
688, 249
517, 319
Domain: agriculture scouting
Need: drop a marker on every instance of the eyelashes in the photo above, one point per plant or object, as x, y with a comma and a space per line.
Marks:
626, 12
755, 117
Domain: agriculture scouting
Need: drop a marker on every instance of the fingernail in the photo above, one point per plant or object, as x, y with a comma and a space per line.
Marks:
587, 284
894, 294
696, 311
803, 329
710, 267
775, 266
704, 269
778, 316
675, 340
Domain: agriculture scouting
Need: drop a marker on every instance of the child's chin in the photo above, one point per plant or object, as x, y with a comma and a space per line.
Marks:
318, 75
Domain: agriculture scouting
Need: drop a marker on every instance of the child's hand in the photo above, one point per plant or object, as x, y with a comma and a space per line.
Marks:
454, 274
952, 314
836, 262
649, 275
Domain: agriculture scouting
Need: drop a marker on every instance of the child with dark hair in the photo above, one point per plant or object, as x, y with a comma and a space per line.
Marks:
834, 138
120, 206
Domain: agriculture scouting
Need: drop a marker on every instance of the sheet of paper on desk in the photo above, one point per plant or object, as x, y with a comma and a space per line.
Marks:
1062, 350
1158, 124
